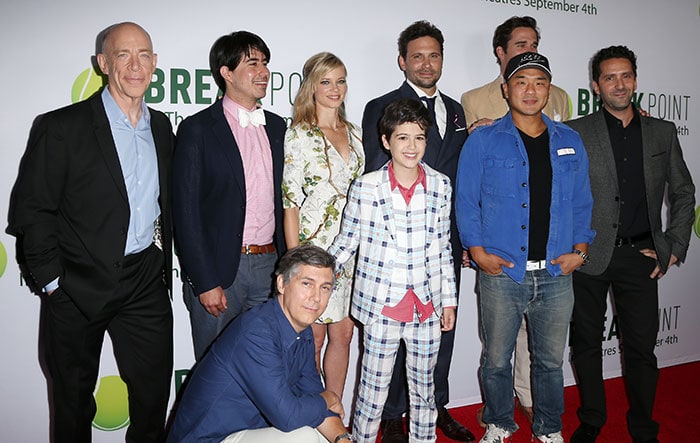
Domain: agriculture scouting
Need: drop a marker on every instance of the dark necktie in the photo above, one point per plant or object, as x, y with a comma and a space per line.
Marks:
430, 101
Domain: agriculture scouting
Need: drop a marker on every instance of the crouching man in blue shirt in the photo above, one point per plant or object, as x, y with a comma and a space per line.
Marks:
523, 206
259, 382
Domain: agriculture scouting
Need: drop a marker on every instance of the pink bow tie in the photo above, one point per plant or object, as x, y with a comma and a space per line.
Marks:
255, 118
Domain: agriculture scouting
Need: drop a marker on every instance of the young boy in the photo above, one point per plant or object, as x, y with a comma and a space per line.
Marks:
397, 220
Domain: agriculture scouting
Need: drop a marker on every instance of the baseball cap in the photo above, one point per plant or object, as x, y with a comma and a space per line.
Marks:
527, 60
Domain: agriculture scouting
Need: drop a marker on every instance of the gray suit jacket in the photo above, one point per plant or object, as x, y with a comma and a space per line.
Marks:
665, 173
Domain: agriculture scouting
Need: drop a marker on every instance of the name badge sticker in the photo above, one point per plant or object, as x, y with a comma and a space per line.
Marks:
566, 151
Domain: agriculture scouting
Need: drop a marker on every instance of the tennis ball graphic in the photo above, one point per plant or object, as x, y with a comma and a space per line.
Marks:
696, 226
3, 259
112, 404
87, 83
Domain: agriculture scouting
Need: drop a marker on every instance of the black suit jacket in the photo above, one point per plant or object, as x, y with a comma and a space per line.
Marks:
209, 196
440, 155
69, 208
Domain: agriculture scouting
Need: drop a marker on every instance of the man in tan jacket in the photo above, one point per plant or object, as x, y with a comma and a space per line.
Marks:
486, 103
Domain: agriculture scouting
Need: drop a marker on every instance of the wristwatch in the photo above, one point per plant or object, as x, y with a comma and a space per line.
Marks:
346, 436
583, 255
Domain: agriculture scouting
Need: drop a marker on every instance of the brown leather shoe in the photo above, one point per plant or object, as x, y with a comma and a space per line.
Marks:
393, 431
451, 428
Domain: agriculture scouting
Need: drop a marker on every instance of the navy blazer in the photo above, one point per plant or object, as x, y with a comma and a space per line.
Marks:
441, 156
69, 208
209, 196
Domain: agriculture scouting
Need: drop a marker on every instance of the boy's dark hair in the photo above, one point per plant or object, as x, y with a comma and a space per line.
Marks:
228, 50
501, 35
607, 54
405, 110
421, 28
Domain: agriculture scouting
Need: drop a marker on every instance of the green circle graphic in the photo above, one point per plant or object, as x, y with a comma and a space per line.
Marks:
3, 259
696, 226
87, 83
112, 404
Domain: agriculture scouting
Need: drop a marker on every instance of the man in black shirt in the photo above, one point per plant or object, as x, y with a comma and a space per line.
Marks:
633, 159
523, 206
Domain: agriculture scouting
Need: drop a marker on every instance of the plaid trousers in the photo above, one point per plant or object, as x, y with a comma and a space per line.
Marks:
381, 341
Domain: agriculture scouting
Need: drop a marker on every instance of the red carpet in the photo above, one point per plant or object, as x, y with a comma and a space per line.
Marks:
676, 409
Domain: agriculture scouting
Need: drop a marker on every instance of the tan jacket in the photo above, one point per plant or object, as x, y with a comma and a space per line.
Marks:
488, 102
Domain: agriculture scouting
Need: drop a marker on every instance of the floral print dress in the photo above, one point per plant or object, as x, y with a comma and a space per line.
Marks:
316, 180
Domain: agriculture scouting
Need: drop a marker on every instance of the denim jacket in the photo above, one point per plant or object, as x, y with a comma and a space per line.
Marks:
493, 197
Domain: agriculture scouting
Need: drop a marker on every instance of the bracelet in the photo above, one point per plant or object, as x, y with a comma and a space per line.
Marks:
346, 436
583, 255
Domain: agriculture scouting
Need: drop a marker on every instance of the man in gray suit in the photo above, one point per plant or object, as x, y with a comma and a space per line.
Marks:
633, 159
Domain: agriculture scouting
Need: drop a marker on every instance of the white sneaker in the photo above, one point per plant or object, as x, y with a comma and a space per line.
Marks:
494, 434
554, 437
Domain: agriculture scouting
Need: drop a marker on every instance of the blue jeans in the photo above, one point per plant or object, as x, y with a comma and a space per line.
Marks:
252, 286
547, 303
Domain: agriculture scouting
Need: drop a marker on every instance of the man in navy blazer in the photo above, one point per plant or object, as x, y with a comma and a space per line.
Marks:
91, 214
227, 192
420, 58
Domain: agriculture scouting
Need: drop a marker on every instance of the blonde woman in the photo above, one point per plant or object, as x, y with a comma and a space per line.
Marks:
323, 155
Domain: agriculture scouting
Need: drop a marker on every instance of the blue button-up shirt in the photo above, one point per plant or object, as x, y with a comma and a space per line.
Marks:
258, 373
137, 156
493, 194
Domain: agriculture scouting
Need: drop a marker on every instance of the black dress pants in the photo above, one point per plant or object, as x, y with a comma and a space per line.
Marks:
140, 324
635, 298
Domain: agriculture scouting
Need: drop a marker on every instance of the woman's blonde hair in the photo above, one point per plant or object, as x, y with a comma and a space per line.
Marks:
314, 69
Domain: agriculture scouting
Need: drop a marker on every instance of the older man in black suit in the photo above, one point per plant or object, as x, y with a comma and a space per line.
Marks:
420, 58
91, 214
634, 162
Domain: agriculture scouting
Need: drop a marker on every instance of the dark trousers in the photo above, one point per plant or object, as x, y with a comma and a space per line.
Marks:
635, 297
140, 324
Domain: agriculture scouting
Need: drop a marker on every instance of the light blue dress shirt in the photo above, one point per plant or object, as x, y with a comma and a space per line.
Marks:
137, 156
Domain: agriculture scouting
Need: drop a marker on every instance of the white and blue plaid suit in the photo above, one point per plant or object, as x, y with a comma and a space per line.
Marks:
369, 229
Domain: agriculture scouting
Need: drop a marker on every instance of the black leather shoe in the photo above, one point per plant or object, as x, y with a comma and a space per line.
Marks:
585, 433
451, 428
393, 431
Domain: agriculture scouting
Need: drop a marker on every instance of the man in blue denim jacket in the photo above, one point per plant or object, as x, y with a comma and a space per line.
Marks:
523, 203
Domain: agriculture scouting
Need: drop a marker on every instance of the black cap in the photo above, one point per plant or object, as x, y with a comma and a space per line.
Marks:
527, 60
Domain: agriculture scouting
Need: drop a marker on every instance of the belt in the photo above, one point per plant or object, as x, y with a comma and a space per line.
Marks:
257, 249
619, 241
535, 265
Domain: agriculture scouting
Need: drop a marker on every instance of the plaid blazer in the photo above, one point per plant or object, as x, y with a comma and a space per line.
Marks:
368, 229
